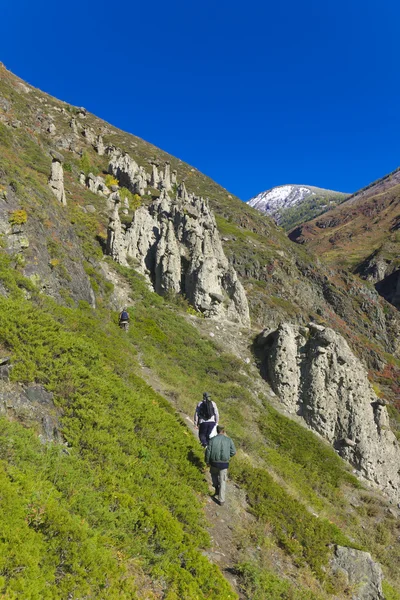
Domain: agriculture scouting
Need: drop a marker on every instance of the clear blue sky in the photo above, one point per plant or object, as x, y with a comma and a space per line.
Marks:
254, 94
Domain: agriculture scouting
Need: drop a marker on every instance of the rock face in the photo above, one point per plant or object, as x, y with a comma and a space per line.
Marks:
361, 572
127, 171
315, 374
31, 405
385, 274
56, 179
176, 245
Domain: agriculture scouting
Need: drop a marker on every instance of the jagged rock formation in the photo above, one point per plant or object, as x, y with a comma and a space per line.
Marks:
176, 244
315, 374
127, 171
361, 573
134, 178
95, 184
56, 179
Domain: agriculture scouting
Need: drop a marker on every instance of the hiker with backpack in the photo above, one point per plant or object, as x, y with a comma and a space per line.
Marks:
124, 319
218, 454
206, 417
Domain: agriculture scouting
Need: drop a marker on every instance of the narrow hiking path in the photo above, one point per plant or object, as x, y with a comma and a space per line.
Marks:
222, 521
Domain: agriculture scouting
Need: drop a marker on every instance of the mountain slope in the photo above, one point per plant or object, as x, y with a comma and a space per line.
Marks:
289, 205
362, 234
117, 509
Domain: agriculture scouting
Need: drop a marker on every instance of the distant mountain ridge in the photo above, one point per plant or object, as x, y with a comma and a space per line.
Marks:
292, 204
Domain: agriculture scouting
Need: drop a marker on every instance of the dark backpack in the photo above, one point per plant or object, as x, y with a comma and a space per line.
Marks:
124, 316
206, 410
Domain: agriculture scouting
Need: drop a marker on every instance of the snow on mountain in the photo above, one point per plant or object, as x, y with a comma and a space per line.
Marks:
274, 201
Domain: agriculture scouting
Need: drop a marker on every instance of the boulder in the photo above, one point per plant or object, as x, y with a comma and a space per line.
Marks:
362, 573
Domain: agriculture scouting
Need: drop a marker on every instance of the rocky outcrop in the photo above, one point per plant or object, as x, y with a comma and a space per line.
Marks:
384, 273
134, 178
316, 376
56, 179
176, 245
31, 405
361, 573
127, 171
94, 184
99, 146
90, 135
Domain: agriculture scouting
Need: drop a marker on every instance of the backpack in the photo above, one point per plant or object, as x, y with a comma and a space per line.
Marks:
206, 410
124, 316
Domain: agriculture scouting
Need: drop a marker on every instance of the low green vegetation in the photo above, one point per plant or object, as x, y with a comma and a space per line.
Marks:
124, 498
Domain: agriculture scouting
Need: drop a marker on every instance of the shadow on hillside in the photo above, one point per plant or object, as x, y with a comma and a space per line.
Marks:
195, 460
260, 349
102, 242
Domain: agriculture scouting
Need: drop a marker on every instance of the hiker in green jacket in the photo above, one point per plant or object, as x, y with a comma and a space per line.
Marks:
218, 453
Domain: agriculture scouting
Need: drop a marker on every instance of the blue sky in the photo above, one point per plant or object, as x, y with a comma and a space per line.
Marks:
254, 94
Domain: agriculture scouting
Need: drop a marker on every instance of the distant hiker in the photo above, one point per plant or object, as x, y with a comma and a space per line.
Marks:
218, 453
205, 418
124, 319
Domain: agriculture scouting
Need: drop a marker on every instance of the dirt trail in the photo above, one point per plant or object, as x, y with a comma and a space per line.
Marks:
222, 520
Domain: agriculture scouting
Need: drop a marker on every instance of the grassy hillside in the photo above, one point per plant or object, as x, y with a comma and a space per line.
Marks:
310, 208
118, 509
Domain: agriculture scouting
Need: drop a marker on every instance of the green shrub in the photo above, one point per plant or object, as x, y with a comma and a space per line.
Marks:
301, 534
261, 584
110, 180
18, 217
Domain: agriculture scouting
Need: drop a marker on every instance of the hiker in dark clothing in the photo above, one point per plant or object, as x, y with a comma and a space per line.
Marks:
218, 453
124, 319
206, 416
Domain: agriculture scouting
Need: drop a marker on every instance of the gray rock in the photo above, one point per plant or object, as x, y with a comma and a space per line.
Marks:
31, 405
362, 573
217, 297
95, 184
127, 171
5, 372
155, 178
349, 442
56, 179
90, 208
180, 254
57, 156
99, 146
37, 393
89, 135
73, 126
319, 378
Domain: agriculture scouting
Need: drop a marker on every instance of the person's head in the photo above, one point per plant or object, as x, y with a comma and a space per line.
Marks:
220, 429
206, 396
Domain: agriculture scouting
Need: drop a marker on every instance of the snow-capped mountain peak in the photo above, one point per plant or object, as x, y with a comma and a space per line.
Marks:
273, 201
277, 202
